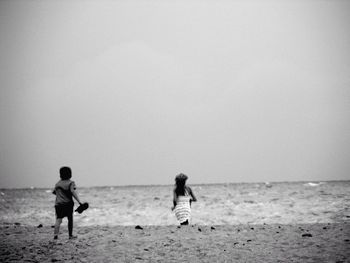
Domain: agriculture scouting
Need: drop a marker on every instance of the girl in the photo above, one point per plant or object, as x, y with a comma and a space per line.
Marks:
183, 197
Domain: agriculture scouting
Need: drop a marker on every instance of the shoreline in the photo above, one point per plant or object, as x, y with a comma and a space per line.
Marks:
321, 242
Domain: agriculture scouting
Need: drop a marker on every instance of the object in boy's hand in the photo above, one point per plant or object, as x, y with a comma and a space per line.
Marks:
82, 207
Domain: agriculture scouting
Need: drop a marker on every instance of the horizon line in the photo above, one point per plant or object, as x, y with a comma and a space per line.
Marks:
193, 184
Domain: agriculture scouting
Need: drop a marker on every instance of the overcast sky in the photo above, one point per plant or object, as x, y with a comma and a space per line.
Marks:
134, 92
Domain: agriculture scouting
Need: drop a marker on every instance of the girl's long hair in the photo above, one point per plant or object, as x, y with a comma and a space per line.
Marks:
180, 186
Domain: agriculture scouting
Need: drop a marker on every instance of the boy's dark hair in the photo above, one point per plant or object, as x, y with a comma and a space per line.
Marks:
65, 173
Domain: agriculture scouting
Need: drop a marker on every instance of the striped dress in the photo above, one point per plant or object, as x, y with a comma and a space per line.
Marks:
183, 209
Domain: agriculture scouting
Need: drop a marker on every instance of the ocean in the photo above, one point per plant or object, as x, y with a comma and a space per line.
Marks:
218, 204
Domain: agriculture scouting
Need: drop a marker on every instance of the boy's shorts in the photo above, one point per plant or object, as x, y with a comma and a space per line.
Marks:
63, 210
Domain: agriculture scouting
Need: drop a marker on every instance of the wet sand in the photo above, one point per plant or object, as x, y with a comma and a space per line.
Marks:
223, 243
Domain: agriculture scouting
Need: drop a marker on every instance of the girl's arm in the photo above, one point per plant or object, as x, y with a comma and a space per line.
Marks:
193, 197
174, 200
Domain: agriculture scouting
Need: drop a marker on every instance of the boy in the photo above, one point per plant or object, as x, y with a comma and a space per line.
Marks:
65, 190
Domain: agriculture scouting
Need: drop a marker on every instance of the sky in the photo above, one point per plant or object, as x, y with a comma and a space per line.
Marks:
135, 92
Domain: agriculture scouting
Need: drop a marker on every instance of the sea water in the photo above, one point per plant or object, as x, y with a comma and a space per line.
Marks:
242, 203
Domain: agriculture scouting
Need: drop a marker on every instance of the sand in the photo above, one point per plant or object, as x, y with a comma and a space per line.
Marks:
222, 243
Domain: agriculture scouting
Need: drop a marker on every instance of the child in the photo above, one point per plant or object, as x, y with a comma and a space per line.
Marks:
183, 197
64, 190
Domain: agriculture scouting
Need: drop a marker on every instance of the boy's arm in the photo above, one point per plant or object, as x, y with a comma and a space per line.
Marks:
74, 192
75, 195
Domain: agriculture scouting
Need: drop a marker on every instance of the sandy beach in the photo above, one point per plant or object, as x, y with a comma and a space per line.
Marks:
222, 243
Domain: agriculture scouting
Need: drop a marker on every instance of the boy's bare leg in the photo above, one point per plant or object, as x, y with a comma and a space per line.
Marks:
70, 225
57, 227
